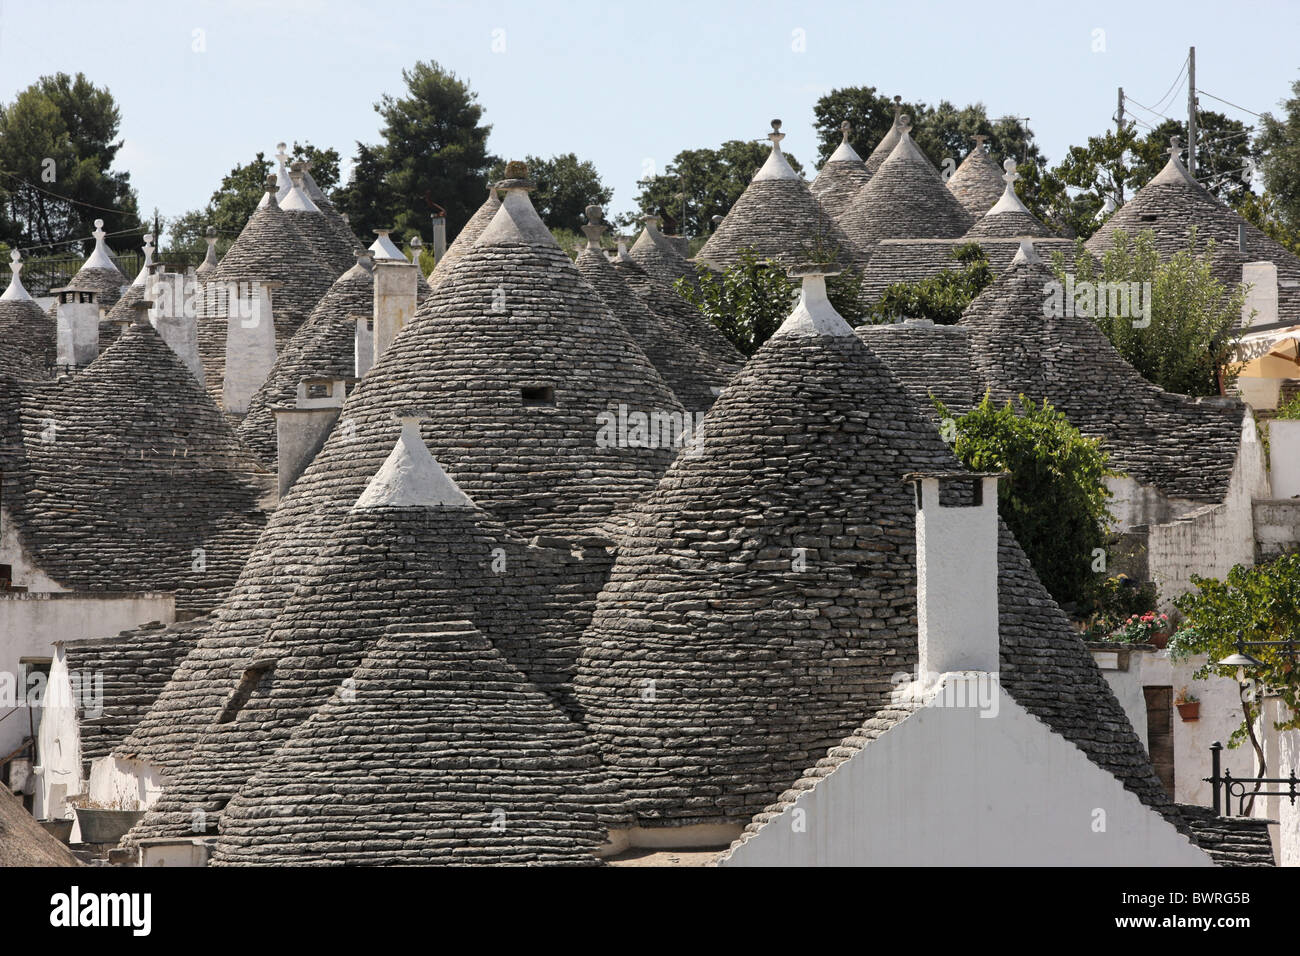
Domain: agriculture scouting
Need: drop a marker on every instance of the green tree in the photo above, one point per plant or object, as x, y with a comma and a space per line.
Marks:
1100, 170
747, 302
566, 185
941, 298
58, 142
712, 180
236, 199
871, 114
433, 155
1260, 603
1186, 341
1279, 146
1265, 213
1055, 498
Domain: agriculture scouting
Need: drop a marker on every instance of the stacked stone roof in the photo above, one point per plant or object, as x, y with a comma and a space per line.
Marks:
324, 347
1183, 446
345, 238
270, 249
334, 248
466, 238
691, 375
536, 468
124, 310
134, 667
27, 335
1172, 204
1230, 841
777, 217
889, 140
766, 597
413, 552
659, 255
437, 752
930, 361
23, 841
1008, 217
905, 199
977, 182
100, 272
910, 260
841, 177
127, 478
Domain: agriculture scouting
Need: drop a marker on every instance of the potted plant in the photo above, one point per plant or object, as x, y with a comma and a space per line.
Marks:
1188, 704
106, 822
1149, 628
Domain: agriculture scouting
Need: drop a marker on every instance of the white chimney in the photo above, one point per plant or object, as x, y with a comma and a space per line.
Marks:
1261, 293
364, 349
77, 326
250, 343
956, 575
301, 431
395, 285
174, 315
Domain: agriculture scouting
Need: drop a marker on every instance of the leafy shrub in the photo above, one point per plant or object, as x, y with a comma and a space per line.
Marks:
941, 298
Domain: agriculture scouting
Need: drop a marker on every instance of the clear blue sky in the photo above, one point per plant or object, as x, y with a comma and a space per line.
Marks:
626, 85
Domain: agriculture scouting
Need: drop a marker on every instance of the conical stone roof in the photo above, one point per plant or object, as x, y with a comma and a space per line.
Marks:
889, 140
127, 478
687, 372
657, 255
124, 310
1184, 447
1173, 203
335, 251
437, 752
1008, 217
905, 199
324, 347
841, 177
100, 272
412, 551
977, 183
539, 469
681, 318
466, 238
345, 238
776, 217
767, 595
271, 249
27, 335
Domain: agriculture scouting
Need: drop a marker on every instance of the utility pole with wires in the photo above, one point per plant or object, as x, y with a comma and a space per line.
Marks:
1191, 112
1119, 112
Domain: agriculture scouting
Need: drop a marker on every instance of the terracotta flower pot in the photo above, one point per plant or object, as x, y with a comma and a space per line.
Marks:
1160, 640
1189, 710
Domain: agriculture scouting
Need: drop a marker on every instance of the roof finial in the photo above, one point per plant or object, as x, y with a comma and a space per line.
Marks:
1010, 176
271, 185
904, 121
898, 107
595, 226
15, 290
210, 257
1175, 147
99, 231
845, 128
148, 249
517, 177
776, 135
416, 244
979, 142
281, 156
1025, 254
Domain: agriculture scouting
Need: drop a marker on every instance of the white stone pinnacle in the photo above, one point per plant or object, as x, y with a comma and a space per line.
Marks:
15, 292
411, 476
813, 314
101, 258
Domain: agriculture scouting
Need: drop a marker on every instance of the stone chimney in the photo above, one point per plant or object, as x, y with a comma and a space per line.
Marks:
364, 350
956, 573
417, 246
301, 430
250, 343
175, 317
395, 285
77, 325
439, 236
1261, 293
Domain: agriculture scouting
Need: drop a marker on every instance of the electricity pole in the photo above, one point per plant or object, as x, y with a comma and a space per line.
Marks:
1191, 112
1119, 112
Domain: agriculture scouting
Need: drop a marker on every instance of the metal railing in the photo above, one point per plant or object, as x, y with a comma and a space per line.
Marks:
1225, 786
54, 272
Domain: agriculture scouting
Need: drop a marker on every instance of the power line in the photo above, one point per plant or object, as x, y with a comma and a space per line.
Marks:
75, 202
1137, 119
1129, 99
1160, 103
1233, 105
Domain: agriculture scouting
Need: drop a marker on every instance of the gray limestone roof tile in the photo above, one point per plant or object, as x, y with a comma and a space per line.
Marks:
977, 182
466, 238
